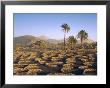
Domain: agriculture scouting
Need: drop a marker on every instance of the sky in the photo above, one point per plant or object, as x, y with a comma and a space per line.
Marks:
49, 24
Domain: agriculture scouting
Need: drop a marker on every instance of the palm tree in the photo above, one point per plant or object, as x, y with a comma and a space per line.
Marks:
65, 29
82, 35
72, 40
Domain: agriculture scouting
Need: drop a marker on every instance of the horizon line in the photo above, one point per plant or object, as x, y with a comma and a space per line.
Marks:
49, 37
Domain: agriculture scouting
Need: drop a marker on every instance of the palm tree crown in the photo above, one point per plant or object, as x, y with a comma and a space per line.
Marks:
82, 35
72, 41
65, 29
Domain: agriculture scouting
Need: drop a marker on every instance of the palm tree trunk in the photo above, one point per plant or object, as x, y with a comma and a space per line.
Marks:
64, 40
81, 40
72, 46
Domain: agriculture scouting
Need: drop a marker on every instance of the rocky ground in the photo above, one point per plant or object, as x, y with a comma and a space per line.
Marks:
77, 61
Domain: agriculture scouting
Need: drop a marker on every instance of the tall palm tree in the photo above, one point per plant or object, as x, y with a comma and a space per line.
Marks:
65, 29
72, 40
82, 35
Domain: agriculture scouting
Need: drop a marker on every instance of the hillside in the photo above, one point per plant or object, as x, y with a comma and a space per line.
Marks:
28, 39
24, 40
54, 41
42, 37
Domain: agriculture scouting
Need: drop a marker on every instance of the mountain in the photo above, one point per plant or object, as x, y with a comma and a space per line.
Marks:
29, 39
54, 41
43, 37
24, 40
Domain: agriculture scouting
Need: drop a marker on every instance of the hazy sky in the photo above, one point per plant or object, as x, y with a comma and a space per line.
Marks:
49, 24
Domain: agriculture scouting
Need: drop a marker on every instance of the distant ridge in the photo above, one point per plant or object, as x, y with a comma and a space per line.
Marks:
42, 37
28, 39
24, 40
